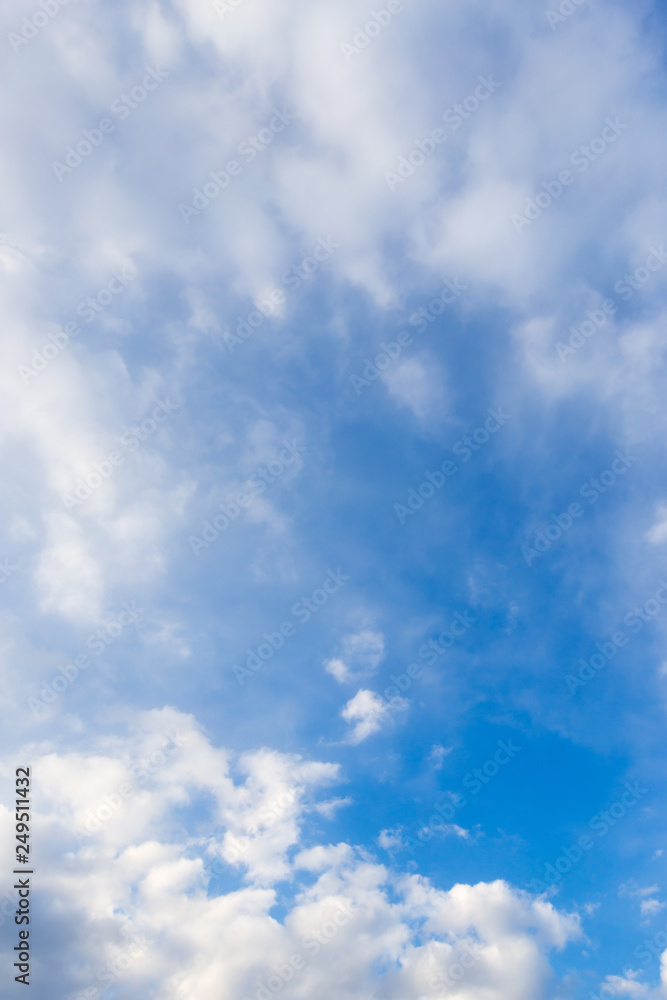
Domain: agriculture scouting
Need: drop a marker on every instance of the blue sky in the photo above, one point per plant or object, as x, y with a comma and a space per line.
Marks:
335, 515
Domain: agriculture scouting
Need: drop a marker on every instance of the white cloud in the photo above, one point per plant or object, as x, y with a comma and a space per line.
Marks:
323, 174
153, 921
657, 534
649, 907
369, 713
361, 654
337, 669
438, 754
388, 840
419, 384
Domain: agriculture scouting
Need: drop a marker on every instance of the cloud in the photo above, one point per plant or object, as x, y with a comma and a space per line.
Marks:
657, 534
419, 384
361, 654
153, 918
201, 854
649, 907
369, 713
390, 840
438, 754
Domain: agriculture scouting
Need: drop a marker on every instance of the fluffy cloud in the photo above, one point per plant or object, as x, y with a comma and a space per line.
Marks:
368, 712
154, 917
184, 879
322, 174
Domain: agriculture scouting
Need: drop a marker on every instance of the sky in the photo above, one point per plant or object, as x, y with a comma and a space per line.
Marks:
334, 513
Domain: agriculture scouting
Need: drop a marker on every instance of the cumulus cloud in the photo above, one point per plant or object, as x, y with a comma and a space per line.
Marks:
152, 918
193, 816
